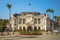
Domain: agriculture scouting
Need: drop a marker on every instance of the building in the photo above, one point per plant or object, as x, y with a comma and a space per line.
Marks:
30, 21
53, 25
57, 20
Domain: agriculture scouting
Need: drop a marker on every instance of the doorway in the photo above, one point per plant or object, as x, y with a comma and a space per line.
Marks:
29, 28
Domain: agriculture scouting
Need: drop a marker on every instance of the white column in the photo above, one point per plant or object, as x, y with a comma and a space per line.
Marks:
37, 20
12, 26
22, 20
45, 25
37, 27
18, 24
22, 27
12, 23
41, 27
25, 28
33, 27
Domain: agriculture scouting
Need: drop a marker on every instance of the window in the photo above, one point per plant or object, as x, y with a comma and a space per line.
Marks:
23, 21
20, 21
35, 28
29, 28
24, 28
15, 21
38, 21
38, 28
35, 21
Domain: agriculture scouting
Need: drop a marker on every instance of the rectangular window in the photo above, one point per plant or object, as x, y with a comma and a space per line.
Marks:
20, 21
35, 21
38, 21
15, 21
23, 21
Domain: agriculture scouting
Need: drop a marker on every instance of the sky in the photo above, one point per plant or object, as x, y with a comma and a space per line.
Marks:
19, 6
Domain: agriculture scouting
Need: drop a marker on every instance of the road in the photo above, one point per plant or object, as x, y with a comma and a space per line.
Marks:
32, 37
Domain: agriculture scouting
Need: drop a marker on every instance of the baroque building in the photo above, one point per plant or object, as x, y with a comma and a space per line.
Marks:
30, 21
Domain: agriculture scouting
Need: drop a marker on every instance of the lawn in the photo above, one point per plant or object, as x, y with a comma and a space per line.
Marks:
37, 32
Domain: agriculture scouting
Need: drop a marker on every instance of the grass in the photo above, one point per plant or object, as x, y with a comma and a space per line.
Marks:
37, 32
0, 27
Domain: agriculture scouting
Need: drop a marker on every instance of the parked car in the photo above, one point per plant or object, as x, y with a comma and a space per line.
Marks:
57, 30
1, 30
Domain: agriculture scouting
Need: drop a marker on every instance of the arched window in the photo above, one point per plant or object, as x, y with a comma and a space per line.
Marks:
24, 28
38, 21
35, 28
20, 20
35, 21
23, 21
38, 28
29, 28
15, 21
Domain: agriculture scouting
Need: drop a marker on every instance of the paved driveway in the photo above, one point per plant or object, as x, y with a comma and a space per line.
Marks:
45, 36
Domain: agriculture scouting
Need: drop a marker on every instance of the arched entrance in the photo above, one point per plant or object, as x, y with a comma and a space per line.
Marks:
29, 28
39, 28
35, 28
24, 29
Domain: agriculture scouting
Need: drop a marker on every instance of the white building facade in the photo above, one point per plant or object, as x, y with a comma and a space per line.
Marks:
30, 21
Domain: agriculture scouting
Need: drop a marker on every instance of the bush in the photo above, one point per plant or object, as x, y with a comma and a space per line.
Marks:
0, 27
31, 32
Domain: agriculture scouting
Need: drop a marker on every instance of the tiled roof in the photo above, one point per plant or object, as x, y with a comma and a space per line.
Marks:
25, 13
15, 15
33, 13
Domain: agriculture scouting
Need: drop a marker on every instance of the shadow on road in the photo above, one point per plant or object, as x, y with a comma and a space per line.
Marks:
27, 36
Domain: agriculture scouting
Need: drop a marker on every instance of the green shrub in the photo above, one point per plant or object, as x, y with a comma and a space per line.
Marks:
30, 32
0, 27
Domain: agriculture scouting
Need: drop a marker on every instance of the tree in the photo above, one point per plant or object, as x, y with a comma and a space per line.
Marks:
51, 11
9, 7
3, 23
57, 19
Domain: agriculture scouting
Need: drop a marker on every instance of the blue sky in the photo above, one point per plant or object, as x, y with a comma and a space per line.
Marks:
19, 6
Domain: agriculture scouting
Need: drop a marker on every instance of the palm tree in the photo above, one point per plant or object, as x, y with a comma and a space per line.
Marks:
51, 11
9, 7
